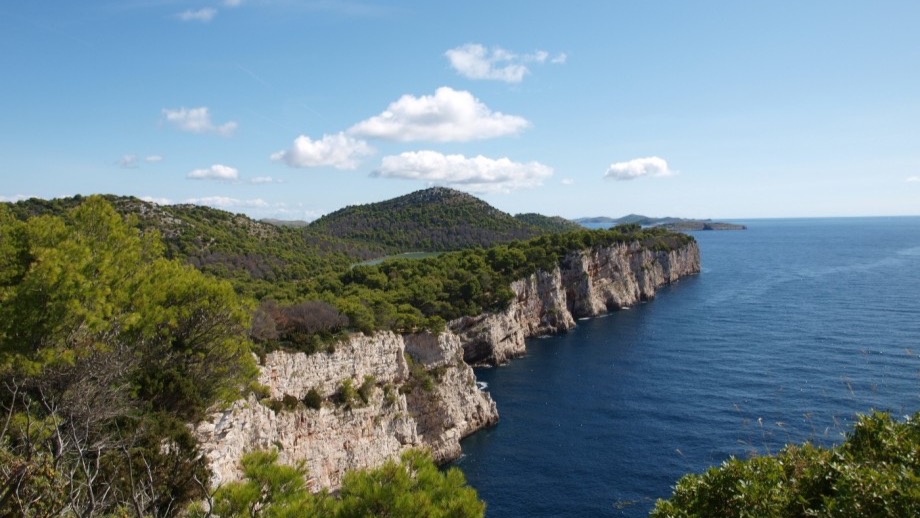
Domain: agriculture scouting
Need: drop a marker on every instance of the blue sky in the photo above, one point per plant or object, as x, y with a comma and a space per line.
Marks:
291, 109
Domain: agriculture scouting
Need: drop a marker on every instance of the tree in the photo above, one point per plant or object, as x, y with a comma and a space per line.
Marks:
875, 472
411, 487
107, 350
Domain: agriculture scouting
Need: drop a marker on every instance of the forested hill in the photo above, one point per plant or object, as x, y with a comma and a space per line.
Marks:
262, 258
435, 219
548, 223
258, 257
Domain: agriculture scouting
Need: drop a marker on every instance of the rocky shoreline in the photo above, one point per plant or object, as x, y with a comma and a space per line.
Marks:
402, 410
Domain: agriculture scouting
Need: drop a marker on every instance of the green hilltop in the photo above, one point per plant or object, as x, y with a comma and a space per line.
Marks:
437, 219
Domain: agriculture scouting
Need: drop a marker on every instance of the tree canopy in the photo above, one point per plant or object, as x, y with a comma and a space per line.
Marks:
412, 486
107, 350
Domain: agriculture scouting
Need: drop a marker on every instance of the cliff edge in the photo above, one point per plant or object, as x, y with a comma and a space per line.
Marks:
587, 283
420, 388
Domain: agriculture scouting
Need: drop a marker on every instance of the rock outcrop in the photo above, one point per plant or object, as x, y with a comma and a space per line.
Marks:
424, 391
587, 283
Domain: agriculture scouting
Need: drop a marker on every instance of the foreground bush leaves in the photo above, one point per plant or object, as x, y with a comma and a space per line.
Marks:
875, 472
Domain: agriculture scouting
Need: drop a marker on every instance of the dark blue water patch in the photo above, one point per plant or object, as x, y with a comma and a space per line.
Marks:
793, 327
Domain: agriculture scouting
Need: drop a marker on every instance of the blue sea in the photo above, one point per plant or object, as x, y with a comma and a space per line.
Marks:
791, 329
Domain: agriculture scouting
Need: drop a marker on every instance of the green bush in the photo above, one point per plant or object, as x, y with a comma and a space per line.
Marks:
348, 396
875, 472
366, 390
313, 399
412, 487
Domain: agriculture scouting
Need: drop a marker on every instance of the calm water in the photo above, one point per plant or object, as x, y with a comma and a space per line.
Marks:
792, 327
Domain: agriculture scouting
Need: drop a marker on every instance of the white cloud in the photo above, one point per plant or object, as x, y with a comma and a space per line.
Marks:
197, 120
158, 201
153, 159
14, 198
127, 161
201, 15
223, 202
567, 181
447, 116
215, 172
475, 61
638, 167
559, 59
913, 179
476, 174
339, 151
265, 179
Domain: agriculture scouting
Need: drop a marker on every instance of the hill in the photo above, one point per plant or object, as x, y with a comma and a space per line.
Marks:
547, 223
258, 257
274, 258
433, 220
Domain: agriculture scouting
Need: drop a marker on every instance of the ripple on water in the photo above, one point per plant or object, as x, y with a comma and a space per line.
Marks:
792, 328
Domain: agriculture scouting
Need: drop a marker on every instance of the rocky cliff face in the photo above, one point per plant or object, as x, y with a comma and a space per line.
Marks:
423, 395
587, 283
424, 392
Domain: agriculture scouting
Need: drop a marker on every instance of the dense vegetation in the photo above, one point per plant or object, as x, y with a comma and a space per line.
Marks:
107, 350
311, 294
875, 472
258, 258
432, 220
411, 295
548, 223
411, 487
121, 322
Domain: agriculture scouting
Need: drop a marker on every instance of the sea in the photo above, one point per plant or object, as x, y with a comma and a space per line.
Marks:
793, 327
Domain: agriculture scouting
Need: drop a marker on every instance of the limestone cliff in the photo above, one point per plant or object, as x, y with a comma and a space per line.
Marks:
401, 412
425, 394
587, 283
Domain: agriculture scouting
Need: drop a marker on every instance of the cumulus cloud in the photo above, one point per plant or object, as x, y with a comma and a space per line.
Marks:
14, 198
475, 61
913, 179
476, 174
224, 202
215, 172
197, 120
339, 151
201, 15
265, 179
153, 159
447, 116
639, 167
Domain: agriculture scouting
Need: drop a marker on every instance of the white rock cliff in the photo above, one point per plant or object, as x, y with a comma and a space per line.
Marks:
403, 411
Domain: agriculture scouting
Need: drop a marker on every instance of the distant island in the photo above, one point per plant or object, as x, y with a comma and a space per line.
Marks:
673, 224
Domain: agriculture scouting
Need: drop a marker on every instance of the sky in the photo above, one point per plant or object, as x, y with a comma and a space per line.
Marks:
292, 109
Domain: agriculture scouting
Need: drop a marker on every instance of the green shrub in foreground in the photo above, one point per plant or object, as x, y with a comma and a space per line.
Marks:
411, 487
875, 472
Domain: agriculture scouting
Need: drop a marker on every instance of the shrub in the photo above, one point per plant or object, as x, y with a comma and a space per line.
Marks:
875, 472
348, 396
366, 390
313, 399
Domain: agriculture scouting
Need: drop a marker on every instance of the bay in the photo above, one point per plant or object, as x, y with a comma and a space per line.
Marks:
791, 328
